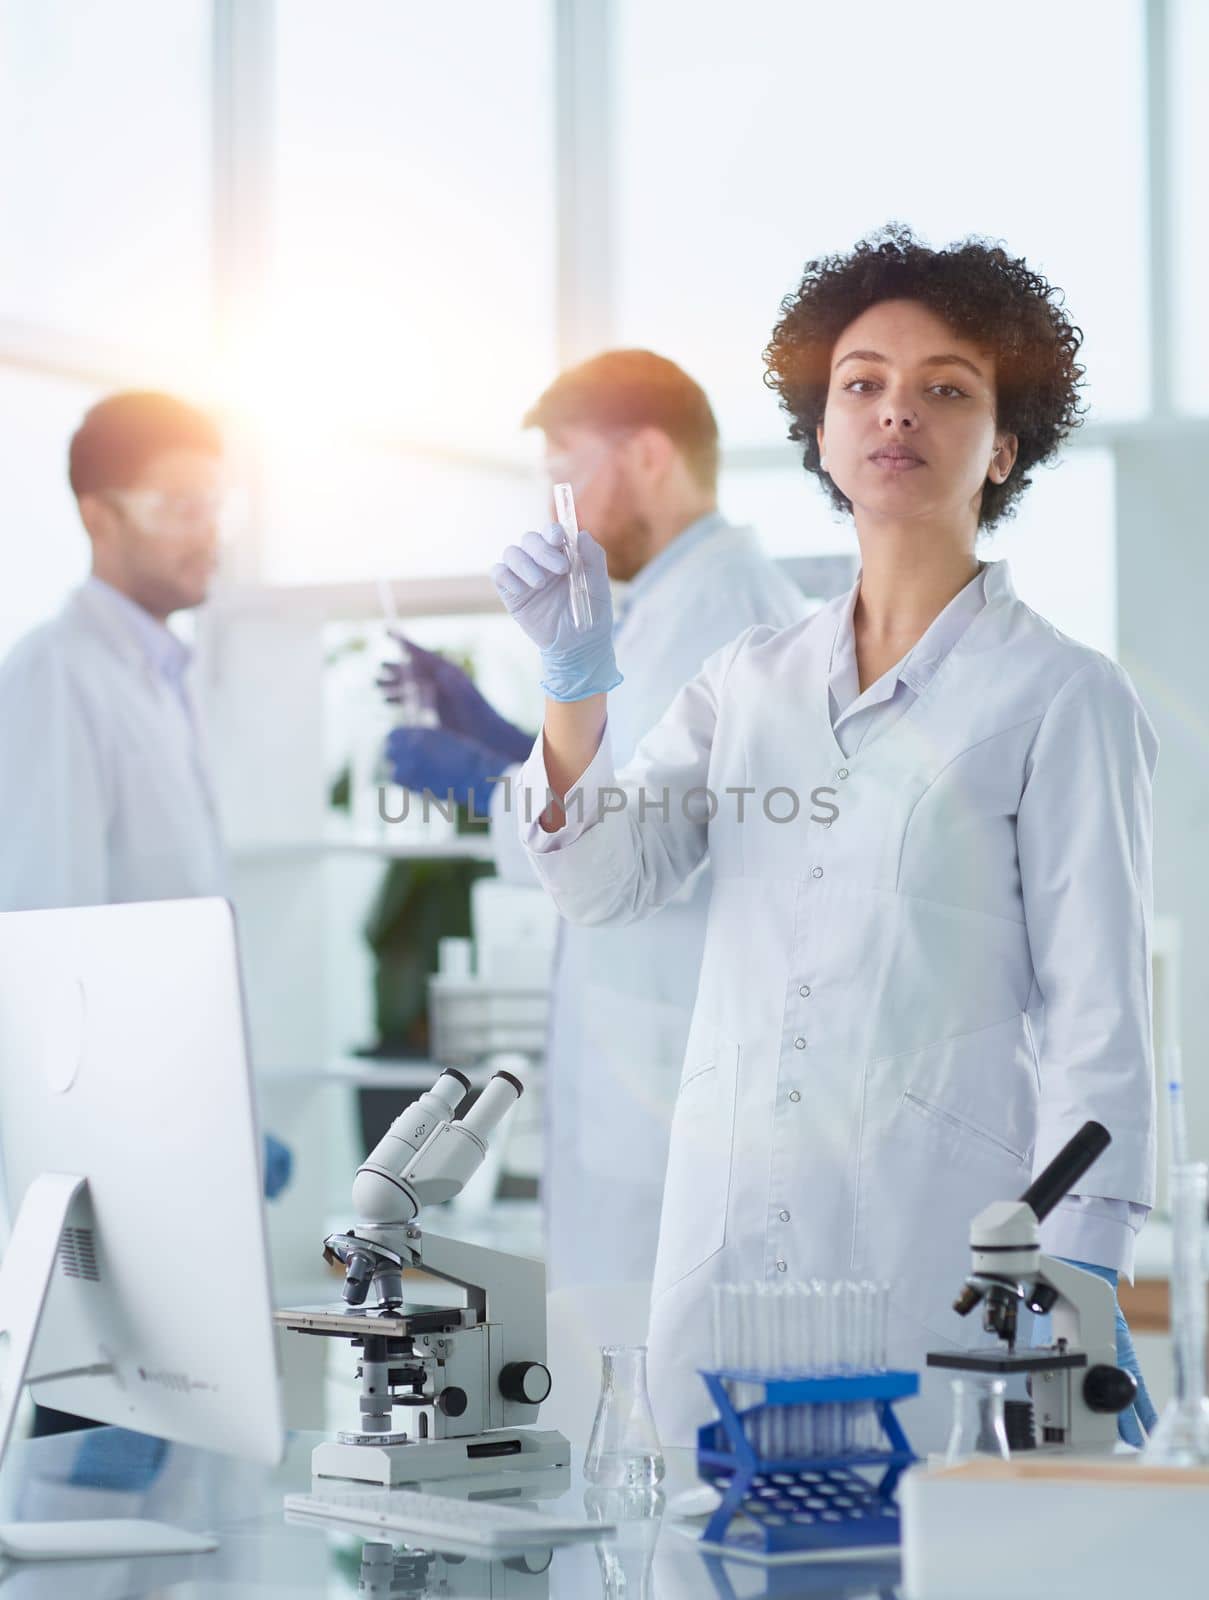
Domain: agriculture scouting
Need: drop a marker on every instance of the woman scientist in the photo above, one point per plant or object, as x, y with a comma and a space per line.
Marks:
929, 818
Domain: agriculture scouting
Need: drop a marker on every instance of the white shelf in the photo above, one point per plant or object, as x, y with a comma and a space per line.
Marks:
473, 594
455, 847
369, 1072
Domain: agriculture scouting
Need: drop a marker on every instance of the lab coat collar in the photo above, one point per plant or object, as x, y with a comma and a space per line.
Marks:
992, 584
135, 632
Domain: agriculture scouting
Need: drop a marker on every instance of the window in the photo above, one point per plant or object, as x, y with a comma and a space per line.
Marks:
413, 284
1189, 125
104, 170
751, 138
338, 510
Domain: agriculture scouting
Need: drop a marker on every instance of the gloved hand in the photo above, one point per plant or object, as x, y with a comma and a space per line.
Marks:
278, 1165
459, 706
1139, 1419
532, 582
445, 763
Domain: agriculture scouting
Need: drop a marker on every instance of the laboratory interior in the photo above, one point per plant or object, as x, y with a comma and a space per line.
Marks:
604, 799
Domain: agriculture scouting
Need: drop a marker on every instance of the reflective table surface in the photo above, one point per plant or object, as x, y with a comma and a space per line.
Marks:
108, 1472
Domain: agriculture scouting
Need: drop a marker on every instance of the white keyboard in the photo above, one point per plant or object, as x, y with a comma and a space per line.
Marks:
443, 1520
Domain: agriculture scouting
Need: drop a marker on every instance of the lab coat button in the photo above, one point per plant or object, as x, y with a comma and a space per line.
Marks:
842, 772
804, 991
784, 1215
799, 1043
794, 1096
782, 1266
816, 872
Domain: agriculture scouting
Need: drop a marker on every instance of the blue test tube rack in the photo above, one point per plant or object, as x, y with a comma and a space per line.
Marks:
812, 1502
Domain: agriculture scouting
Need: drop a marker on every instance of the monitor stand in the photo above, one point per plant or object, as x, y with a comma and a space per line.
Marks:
25, 1277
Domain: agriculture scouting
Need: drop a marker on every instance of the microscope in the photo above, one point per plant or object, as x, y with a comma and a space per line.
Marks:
1076, 1387
468, 1379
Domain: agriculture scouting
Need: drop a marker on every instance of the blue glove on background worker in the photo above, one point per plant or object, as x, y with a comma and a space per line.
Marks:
473, 743
531, 580
459, 706
278, 1165
1135, 1423
447, 764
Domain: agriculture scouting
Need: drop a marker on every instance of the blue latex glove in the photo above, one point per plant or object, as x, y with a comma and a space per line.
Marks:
1140, 1418
531, 580
459, 706
278, 1165
446, 764
116, 1458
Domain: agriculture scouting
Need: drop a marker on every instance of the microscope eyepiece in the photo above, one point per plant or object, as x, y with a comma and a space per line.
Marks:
1067, 1167
499, 1096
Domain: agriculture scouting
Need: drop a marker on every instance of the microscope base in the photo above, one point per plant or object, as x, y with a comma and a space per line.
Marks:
423, 1460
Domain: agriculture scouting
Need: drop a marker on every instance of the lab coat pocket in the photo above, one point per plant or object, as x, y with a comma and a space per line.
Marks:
697, 1192
925, 1108
945, 1130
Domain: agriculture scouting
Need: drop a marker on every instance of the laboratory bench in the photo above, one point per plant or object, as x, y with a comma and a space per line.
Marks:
109, 1472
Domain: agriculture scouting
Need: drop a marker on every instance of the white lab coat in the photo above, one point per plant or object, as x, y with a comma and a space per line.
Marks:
912, 994
103, 789
620, 1007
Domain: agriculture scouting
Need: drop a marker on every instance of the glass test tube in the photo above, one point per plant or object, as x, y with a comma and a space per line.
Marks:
581, 601
1181, 1438
818, 1328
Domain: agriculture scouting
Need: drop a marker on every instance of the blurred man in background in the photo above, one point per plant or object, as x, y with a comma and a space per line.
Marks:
105, 794
636, 438
104, 790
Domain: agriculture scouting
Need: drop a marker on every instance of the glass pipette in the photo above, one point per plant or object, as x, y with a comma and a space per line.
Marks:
581, 601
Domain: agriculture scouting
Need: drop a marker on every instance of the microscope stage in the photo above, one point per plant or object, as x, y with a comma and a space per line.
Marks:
1001, 1362
360, 1323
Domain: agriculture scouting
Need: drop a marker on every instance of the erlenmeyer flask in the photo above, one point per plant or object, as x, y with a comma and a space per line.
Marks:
623, 1452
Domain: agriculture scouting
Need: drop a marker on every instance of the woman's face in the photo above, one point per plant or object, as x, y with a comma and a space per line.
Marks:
909, 428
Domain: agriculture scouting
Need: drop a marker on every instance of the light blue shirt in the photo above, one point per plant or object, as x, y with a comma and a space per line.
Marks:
657, 568
165, 653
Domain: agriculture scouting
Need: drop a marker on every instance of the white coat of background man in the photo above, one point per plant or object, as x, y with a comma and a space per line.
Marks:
636, 438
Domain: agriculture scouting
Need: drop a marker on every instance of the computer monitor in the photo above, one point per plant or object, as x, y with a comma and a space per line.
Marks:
135, 1286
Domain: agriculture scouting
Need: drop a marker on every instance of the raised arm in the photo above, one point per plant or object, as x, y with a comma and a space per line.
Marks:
578, 665
610, 848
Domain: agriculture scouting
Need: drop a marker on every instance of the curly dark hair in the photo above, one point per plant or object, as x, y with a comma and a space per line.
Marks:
984, 294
